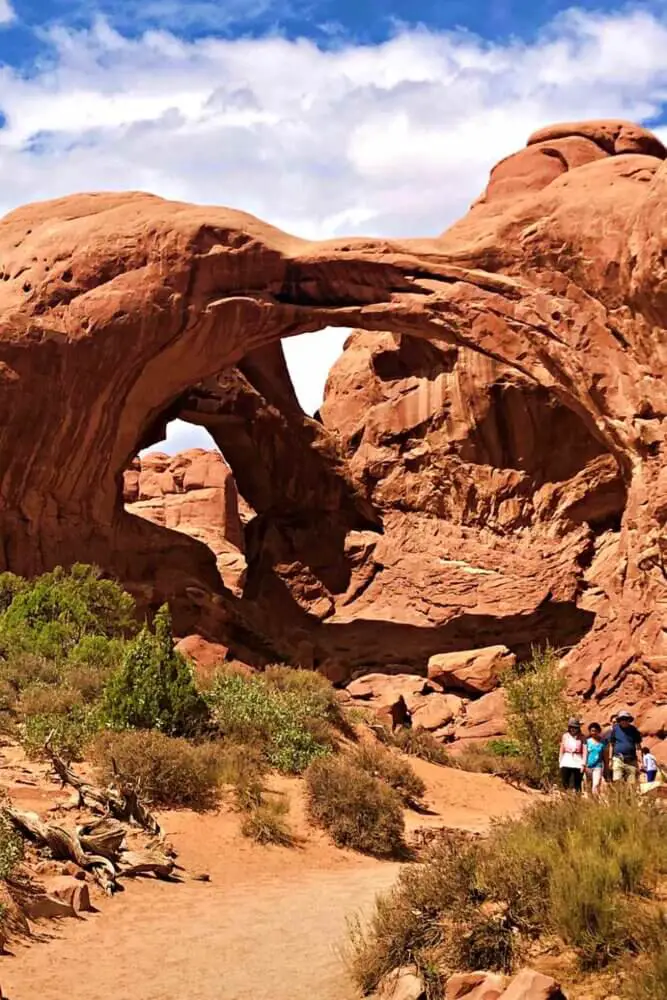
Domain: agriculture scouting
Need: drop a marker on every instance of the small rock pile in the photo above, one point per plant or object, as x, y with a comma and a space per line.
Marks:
406, 984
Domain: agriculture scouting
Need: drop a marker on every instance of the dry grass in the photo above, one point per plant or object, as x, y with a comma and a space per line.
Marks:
169, 770
267, 824
359, 811
395, 771
581, 872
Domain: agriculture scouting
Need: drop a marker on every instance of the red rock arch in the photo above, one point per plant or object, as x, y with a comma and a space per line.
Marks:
113, 306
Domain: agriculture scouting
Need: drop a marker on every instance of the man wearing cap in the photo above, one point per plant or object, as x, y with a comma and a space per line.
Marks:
625, 746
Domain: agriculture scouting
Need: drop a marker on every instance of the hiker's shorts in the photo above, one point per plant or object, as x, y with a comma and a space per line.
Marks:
620, 771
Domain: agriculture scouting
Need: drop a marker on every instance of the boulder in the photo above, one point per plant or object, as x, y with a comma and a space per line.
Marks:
70, 891
474, 986
402, 984
484, 718
433, 711
204, 654
531, 985
474, 671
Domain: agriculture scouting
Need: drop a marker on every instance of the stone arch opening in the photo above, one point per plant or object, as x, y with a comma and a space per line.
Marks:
115, 306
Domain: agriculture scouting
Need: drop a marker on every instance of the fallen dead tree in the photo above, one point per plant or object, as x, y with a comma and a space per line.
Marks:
120, 800
98, 847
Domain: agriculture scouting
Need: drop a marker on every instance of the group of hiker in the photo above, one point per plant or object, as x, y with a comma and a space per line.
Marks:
616, 755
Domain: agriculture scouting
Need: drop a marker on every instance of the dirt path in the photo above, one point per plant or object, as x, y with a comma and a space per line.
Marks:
268, 926
276, 941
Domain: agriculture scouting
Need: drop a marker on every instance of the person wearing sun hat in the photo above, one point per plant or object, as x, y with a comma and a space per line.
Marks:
625, 747
572, 756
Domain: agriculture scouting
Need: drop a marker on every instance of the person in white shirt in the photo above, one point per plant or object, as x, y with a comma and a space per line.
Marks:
572, 757
649, 765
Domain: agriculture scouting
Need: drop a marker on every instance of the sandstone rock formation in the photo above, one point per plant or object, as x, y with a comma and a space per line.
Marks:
193, 492
500, 480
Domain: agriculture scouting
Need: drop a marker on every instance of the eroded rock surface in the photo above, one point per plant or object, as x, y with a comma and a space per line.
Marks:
500, 480
193, 492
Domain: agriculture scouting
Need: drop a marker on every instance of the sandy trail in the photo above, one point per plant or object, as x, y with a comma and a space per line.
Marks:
269, 925
274, 942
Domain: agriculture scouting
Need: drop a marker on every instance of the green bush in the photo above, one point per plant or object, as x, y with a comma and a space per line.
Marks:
168, 770
11, 848
69, 734
50, 615
584, 873
290, 725
154, 688
390, 768
10, 586
537, 712
358, 810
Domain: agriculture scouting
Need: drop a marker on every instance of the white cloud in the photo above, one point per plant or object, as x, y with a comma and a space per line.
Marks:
392, 139
7, 13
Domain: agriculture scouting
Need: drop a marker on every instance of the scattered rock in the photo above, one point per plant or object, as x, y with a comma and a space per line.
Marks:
475, 671
401, 984
531, 985
475, 986
71, 891
436, 710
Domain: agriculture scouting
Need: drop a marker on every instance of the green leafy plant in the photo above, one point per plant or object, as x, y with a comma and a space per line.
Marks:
537, 711
291, 727
11, 848
154, 687
359, 811
67, 733
50, 615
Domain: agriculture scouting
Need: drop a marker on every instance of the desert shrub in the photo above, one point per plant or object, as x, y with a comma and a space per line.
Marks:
415, 742
312, 689
291, 727
503, 747
68, 734
50, 615
390, 768
242, 768
514, 768
10, 586
537, 711
154, 687
584, 872
169, 771
359, 810
266, 823
11, 848
652, 981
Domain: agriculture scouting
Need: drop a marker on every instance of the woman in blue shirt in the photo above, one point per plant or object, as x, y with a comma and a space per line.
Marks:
595, 747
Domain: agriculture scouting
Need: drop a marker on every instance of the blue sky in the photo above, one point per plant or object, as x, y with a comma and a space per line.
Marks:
324, 117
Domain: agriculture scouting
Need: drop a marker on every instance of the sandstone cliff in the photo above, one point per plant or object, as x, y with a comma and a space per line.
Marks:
505, 483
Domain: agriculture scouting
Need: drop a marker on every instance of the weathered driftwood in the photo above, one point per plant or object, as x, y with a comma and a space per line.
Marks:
103, 836
97, 847
63, 845
120, 800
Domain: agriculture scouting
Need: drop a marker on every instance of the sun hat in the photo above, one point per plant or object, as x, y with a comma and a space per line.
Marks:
573, 722
625, 715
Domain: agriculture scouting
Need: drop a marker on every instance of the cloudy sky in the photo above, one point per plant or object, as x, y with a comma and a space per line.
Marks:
324, 117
